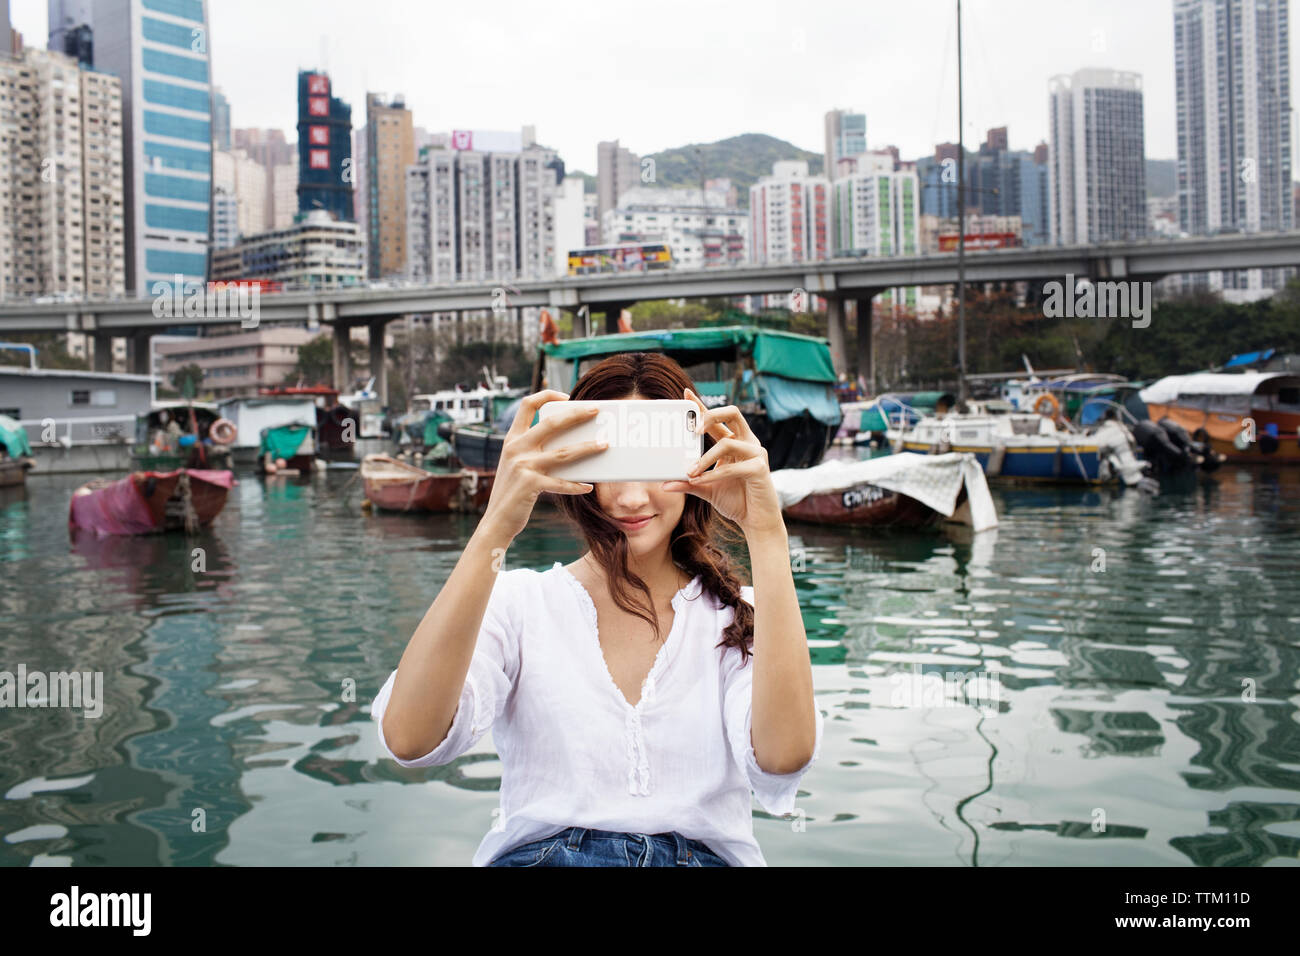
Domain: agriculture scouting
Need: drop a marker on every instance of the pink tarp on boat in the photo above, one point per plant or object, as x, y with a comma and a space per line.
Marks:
119, 507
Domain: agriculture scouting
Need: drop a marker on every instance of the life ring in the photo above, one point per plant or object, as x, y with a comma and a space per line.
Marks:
1050, 399
223, 431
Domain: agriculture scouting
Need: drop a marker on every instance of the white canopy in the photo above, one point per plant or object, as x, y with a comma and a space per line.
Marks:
1168, 389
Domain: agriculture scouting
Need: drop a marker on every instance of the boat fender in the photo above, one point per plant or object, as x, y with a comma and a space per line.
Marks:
1268, 444
223, 431
1241, 441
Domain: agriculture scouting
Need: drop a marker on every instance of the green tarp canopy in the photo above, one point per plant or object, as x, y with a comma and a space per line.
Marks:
283, 442
14, 437
431, 438
785, 354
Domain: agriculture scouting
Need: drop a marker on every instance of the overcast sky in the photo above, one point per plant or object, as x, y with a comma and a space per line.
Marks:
671, 72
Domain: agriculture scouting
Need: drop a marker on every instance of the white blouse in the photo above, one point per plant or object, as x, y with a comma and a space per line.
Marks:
574, 752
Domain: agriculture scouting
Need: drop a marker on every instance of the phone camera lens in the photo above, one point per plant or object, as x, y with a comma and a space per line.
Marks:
690, 421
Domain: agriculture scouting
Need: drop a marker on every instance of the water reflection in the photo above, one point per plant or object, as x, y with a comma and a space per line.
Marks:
1146, 651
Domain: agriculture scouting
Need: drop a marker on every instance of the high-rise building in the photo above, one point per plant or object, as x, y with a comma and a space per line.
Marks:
1097, 184
220, 120
325, 171
875, 211
617, 170
237, 176
390, 149
789, 215
1233, 85
317, 251
266, 146
700, 228
1005, 182
159, 51
284, 194
61, 178
846, 135
478, 216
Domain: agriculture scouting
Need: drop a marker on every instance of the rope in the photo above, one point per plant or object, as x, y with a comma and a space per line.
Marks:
187, 503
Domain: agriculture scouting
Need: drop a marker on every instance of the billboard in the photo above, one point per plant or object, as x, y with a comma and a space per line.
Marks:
979, 240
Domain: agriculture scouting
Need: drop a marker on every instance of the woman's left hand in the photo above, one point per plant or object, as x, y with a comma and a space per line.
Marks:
739, 484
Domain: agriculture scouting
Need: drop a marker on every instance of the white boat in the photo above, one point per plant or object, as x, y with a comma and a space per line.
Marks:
252, 416
1028, 447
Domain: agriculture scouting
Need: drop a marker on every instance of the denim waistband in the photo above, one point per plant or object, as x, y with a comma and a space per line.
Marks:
683, 846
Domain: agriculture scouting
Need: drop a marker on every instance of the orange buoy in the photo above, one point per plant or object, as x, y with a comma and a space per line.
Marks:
223, 431
1049, 400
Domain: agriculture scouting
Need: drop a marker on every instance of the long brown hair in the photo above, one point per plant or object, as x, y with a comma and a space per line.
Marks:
692, 544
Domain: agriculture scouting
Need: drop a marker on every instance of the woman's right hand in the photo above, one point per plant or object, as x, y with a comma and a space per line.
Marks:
522, 473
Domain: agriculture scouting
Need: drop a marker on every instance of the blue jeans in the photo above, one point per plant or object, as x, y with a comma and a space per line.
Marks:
578, 846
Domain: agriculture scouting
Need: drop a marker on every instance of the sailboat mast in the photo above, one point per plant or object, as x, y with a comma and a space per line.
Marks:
961, 224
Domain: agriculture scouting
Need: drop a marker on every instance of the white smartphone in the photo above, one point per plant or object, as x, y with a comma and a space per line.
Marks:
649, 439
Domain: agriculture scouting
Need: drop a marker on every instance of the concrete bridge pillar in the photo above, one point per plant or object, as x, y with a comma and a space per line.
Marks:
103, 351
837, 332
866, 351
342, 356
378, 359
137, 353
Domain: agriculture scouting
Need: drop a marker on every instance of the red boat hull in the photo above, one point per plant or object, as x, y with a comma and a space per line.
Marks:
391, 485
146, 502
864, 506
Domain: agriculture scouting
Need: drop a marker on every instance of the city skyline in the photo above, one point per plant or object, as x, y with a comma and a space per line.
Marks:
701, 84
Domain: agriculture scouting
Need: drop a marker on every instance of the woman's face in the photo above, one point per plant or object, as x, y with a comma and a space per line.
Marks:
646, 514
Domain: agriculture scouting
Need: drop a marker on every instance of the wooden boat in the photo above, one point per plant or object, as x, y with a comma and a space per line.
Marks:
897, 491
13, 471
865, 505
393, 485
145, 502
1249, 417
15, 453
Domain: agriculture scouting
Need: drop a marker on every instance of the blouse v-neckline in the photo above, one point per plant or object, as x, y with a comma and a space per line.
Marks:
684, 593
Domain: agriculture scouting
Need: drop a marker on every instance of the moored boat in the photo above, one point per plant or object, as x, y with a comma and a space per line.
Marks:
1029, 447
898, 491
1249, 417
394, 485
15, 453
145, 502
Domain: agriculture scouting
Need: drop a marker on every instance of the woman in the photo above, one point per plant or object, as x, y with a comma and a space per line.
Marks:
639, 694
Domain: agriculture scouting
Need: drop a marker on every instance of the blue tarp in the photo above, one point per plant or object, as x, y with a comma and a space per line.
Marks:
787, 398
1249, 358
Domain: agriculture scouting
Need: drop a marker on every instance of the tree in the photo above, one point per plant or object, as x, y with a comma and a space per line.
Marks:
188, 379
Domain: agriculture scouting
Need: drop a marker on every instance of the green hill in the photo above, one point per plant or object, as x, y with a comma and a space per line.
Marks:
742, 159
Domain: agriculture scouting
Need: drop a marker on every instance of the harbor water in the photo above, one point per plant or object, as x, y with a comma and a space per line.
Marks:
1108, 679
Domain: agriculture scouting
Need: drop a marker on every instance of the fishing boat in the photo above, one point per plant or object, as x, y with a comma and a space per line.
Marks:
147, 502
782, 382
281, 416
1249, 417
394, 485
898, 491
1028, 447
182, 434
337, 425
15, 453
